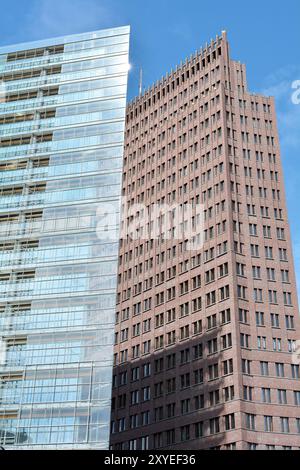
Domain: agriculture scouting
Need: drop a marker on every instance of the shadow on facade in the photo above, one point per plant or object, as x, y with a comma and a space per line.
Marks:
173, 423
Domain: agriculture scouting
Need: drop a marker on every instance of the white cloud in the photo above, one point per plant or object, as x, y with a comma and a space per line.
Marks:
279, 85
63, 17
278, 90
282, 74
289, 124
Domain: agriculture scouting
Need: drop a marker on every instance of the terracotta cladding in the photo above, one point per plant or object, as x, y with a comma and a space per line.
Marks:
204, 338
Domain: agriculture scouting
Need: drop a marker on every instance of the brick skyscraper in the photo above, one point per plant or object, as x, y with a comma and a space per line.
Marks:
205, 339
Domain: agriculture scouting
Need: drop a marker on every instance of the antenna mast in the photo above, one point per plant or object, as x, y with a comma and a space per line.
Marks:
141, 82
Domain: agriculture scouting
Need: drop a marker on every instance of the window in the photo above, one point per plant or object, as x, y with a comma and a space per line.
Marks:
210, 298
213, 372
244, 340
158, 389
226, 341
197, 304
136, 331
198, 376
289, 322
276, 344
243, 315
297, 398
211, 322
261, 342
254, 251
260, 318
287, 298
146, 369
171, 315
146, 347
184, 332
158, 414
170, 436
225, 316
171, 337
199, 402
268, 252
199, 429
185, 406
295, 371
171, 361
121, 425
252, 446
246, 366
224, 293
285, 425
242, 292
134, 421
197, 327
145, 443
171, 410
264, 368
133, 444
228, 367
271, 274
229, 422
184, 310
145, 418
185, 380
135, 374
268, 421
250, 421
273, 296
214, 398
136, 351
258, 295
214, 425
231, 446
248, 393
266, 395
256, 272
279, 367
158, 439
198, 351
158, 343
229, 393
123, 378
185, 433
212, 346
275, 320
135, 397
282, 398
147, 325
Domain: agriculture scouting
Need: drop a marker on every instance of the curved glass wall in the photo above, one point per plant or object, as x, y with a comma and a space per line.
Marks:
61, 155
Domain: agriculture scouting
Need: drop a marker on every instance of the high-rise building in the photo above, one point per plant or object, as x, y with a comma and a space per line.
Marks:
206, 334
62, 117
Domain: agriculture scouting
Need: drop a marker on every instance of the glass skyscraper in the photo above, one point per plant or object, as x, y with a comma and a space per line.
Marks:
62, 116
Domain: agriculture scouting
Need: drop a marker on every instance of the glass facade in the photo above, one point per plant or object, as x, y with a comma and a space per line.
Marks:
62, 117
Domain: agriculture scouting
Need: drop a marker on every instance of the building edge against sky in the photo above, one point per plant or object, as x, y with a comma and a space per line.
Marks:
62, 115
205, 340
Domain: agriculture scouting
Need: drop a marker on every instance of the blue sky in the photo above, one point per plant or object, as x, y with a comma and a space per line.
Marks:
263, 34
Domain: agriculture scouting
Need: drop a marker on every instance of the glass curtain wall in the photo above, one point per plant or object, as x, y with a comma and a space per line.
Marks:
62, 116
